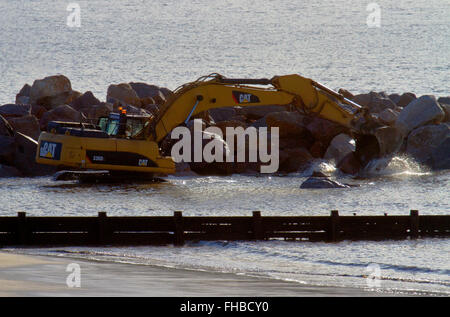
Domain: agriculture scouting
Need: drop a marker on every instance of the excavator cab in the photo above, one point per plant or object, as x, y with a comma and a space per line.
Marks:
121, 125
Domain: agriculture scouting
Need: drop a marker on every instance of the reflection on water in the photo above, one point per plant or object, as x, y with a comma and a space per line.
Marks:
104, 51
405, 265
396, 193
395, 166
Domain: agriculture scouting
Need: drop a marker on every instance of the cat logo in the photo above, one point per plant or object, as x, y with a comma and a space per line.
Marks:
143, 162
240, 97
50, 150
244, 98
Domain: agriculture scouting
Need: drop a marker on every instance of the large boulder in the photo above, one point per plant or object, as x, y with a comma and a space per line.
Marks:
13, 110
440, 157
320, 181
289, 123
446, 108
223, 125
363, 99
257, 112
61, 113
389, 140
5, 128
376, 102
166, 91
23, 97
28, 125
124, 94
156, 93
296, 142
294, 159
222, 114
324, 130
38, 111
406, 99
347, 94
350, 164
7, 149
25, 157
421, 111
388, 116
444, 100
318, 149
85, 100
52, 91
260, 123
395, 97
380, 103
423, 141
94, 112
147, 101
340, 146
9, 171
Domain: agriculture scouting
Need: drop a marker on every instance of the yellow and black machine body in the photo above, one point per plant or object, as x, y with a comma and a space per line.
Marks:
115, 144
131, 144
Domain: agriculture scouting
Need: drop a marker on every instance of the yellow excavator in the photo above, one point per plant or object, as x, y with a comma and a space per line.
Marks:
128, 145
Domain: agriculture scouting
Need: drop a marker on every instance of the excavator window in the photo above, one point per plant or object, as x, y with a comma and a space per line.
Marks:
133, 128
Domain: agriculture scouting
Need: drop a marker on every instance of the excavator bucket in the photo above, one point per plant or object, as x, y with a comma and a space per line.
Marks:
367, 148
384, 142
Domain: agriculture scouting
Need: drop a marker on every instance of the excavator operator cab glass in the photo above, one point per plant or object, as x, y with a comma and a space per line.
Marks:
133, 125
109, 125
103, 123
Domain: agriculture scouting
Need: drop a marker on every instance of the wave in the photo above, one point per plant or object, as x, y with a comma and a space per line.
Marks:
395, 166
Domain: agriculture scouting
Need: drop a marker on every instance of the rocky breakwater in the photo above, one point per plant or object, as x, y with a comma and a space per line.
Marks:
421, 125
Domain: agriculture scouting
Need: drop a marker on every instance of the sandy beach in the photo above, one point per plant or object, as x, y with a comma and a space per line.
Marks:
22, 275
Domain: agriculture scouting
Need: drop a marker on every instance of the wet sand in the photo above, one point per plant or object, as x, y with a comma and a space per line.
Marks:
22, 275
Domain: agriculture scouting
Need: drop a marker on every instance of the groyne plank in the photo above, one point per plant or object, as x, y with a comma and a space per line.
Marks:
177, 229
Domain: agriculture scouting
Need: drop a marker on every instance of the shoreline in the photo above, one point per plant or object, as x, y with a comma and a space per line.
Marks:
38, 275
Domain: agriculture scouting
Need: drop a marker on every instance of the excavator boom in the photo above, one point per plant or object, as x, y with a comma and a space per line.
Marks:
304, 94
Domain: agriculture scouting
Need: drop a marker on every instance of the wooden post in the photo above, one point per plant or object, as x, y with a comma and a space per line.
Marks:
414, 224
334, 226
258, 233
22, 232
102, 235
178, 239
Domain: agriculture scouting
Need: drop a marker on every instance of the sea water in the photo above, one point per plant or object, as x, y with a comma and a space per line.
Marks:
171, 42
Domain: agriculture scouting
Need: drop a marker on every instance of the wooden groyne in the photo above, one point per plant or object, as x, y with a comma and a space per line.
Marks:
177, 229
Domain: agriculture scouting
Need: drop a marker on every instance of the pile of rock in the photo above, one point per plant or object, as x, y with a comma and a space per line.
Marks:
420, 125
52, 98
302, 139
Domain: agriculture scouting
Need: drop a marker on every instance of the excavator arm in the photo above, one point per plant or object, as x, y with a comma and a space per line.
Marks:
306, 95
